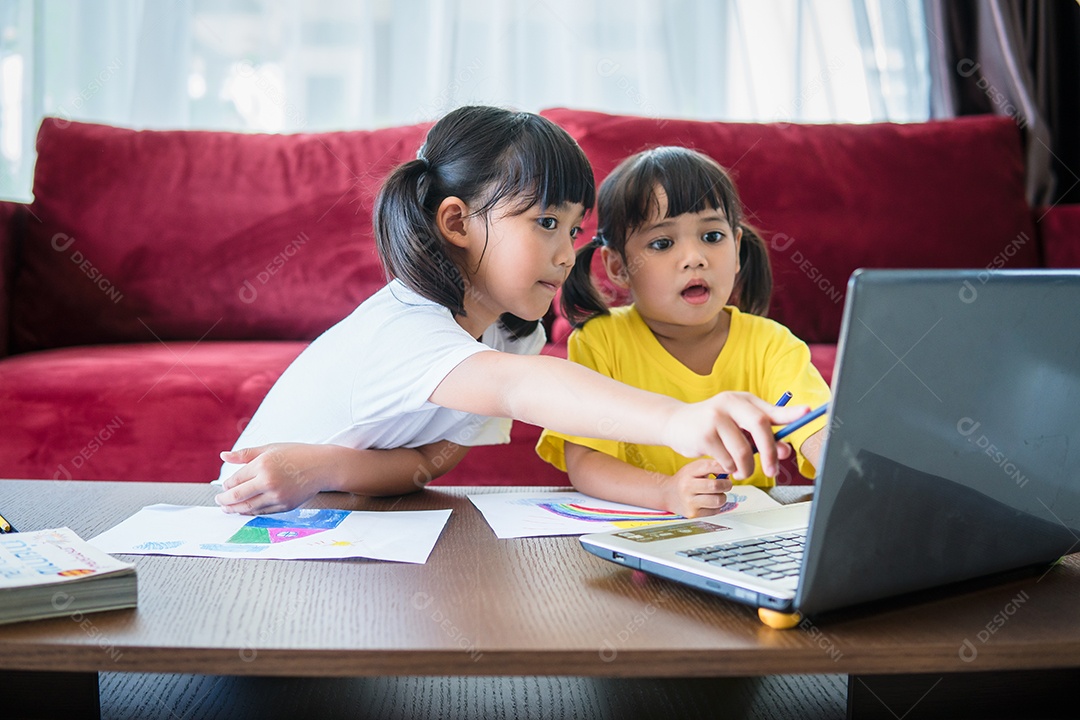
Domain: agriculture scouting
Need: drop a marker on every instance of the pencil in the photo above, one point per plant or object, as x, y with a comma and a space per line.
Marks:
5, 526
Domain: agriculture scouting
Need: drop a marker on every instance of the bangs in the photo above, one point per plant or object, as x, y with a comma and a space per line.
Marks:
692, 183
545, 167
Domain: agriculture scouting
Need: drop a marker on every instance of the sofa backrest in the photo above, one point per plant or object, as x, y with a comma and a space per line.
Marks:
832, 198
143, 235
138, 236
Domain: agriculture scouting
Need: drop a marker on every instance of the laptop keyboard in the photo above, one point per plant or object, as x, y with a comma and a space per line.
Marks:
771, 557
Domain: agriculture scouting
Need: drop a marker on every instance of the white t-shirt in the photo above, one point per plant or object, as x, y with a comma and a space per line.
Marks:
365, 382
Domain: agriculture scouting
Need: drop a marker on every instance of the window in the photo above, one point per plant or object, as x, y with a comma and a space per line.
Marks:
277, 66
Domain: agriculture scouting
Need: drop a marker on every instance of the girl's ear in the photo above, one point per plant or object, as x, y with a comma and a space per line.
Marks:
451, 217
616, 268
738, 249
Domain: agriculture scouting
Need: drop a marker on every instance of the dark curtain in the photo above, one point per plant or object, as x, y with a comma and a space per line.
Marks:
1019, 58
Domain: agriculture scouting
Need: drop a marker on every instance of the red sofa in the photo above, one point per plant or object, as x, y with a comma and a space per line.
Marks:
161, 281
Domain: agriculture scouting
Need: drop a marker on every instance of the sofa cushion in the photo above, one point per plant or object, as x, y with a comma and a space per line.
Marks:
161, 412
138, 236
150, 412
832, 198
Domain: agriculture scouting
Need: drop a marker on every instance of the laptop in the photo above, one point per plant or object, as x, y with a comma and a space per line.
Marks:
953, 452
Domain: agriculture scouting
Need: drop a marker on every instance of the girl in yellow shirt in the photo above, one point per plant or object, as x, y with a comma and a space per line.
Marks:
671, 234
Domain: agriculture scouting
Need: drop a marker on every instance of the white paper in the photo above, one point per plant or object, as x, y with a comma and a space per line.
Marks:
301, 534
567, 512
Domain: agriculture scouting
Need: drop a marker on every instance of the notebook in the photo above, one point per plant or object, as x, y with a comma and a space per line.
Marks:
953, 452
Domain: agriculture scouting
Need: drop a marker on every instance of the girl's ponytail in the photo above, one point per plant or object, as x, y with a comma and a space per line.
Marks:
581, 301
753, 284
409, 242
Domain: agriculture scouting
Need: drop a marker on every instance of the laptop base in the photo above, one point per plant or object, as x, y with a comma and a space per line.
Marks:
740, 595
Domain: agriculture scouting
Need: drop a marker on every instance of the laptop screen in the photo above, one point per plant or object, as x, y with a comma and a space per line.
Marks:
954, 444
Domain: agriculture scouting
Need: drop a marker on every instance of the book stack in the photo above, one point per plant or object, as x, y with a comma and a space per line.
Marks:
51, 573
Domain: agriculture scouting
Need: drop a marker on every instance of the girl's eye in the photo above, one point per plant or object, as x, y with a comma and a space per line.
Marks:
660, 244
574, 232
548, 223
713, 237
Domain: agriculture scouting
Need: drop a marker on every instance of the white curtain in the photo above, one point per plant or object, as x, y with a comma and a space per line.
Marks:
279, 66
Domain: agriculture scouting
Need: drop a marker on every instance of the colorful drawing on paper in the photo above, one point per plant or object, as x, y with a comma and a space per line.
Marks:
733, 502
577, 511
282, 527
235, 548
151, 545
622, 517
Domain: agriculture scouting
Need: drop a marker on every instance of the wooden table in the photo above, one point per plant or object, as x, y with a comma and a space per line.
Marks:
528, 607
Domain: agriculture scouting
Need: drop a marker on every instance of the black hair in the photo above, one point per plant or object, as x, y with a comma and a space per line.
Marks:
692, 182
483, 155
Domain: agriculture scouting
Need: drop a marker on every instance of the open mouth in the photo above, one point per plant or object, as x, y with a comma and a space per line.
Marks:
695, 293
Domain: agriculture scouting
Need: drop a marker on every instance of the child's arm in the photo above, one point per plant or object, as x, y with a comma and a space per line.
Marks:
283, 476
571, 399
690, 492
811, 447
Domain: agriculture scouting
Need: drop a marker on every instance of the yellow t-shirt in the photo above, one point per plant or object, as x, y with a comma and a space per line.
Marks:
760, 356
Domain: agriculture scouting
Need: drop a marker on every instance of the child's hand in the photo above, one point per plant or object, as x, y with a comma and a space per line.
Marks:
714, 428
691, 492
277, 477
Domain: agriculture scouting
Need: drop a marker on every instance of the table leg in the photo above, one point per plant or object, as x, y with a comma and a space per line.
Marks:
37, 695
960, 696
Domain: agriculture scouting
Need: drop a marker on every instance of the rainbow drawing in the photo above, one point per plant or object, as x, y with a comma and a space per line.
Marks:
577, 511
622, 517
282, 527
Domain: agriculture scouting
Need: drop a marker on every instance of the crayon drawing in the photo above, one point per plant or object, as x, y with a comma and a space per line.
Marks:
207, 531
282, 527
587, 513
567, 512
623, 518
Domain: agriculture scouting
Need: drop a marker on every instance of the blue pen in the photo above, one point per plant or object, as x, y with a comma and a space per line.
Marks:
809, 417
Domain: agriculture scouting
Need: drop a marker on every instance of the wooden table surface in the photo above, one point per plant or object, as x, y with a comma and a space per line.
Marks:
484, 606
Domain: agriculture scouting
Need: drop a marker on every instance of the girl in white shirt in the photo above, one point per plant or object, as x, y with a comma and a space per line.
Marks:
477, 235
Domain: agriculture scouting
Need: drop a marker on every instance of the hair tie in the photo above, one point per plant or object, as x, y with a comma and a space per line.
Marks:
597, 241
